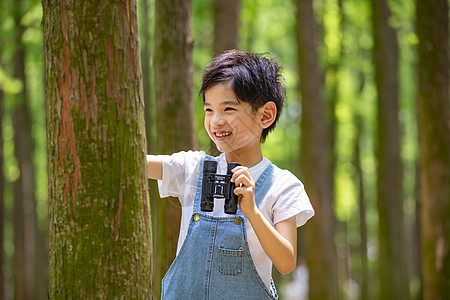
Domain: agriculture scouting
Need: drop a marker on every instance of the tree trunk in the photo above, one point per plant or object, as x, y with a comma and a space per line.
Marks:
434, 141
319, 234
27, 282
149, 99
146, 55
393, 271
100, 234
175, 120
2, 199
364, 294
226, 34
226, 25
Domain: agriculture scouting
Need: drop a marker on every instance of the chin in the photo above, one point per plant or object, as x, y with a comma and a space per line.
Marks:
221, 149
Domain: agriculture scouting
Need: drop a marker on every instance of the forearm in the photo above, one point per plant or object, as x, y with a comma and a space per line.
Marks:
154, 167
281, 248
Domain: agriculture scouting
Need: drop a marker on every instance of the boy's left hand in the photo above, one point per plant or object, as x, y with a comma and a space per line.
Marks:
245, 189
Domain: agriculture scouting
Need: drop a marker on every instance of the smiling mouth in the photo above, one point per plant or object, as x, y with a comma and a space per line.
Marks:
222, 134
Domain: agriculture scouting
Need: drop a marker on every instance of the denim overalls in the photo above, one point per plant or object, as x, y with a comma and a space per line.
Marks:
214, 261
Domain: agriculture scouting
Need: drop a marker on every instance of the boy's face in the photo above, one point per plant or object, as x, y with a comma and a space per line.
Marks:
230, 123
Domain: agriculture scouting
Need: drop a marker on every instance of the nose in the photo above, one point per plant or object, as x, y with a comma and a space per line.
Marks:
217, 120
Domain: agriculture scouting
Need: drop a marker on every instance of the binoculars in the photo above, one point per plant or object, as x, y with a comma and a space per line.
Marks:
218, 186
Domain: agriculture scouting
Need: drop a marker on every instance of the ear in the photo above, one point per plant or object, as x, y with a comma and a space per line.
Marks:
268, 114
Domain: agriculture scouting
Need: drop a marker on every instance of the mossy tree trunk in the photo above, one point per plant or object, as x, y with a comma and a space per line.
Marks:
100, 234
319, 233
174, 118
434, 141
392, 266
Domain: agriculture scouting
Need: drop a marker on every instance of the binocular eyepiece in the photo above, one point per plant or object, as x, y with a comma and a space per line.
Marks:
218, 186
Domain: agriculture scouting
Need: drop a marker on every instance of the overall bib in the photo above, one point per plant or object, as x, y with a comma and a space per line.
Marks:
214, 261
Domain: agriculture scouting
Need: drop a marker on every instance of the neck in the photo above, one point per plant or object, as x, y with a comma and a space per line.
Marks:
245, 158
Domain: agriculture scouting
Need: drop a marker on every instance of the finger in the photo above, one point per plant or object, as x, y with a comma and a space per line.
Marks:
244, 180
243, 191
239, 171
238, 168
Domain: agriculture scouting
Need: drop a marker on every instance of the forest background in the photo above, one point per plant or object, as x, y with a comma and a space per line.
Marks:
371, 248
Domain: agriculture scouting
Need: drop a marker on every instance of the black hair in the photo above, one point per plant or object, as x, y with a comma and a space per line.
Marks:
254, 78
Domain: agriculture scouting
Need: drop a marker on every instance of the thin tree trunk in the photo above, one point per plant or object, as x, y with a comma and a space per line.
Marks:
434, 144
417, 236
362, 211
100, 233
226, 25
319, 234
146, 55
226, 34
149, 101
393, 270
175, 119
2, 199
26, 233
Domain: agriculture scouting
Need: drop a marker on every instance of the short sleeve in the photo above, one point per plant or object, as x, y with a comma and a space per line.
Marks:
175, 170
291, 200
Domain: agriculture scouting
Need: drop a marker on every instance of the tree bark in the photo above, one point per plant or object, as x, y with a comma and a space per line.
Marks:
175, 120
319, 233
434, 144
100, 234
393, 271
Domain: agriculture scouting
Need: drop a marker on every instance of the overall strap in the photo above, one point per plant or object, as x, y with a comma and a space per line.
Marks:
263, 185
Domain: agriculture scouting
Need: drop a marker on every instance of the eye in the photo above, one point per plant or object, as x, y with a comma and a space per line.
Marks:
230, 109
207, 109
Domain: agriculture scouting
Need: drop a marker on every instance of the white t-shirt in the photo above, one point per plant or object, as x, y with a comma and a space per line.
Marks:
285, 198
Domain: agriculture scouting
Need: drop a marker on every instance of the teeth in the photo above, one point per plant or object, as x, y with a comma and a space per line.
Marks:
223, 134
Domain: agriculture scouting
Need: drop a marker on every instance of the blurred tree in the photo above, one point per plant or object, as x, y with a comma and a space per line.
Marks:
226, 34
146, 25
146, 55
434, 139
226, 25
100, 232
319, 243
175, 118
250, 10
393, 268
28, 259
361, 209
334, 64
2, 189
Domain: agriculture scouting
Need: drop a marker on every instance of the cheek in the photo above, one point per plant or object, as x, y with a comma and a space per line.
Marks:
206, 123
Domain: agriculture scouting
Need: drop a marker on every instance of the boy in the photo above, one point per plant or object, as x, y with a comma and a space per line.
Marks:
222, 256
